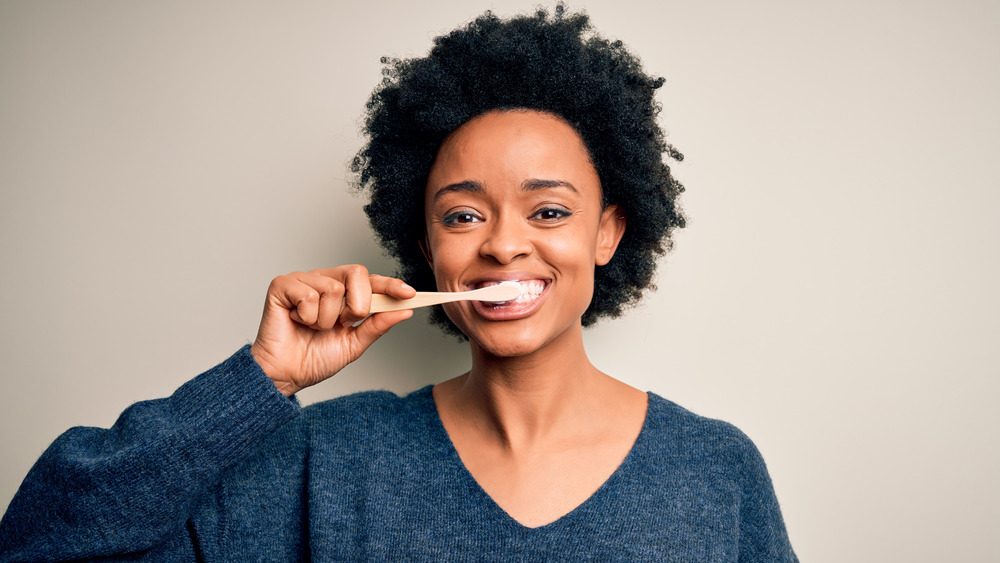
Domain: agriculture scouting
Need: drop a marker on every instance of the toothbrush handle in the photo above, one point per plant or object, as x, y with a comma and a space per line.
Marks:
382, 303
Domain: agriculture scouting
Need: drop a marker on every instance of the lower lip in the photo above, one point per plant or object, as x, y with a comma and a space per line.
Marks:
509, 311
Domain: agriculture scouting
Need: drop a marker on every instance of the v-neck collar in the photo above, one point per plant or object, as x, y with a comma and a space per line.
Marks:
593, 503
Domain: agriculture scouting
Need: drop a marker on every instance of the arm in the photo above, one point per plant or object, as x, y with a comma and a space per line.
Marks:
134, 488
763, 536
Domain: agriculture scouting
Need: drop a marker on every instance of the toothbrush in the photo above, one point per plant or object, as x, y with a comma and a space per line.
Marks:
504, 291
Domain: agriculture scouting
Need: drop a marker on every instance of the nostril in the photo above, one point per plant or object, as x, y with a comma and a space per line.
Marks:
505, 244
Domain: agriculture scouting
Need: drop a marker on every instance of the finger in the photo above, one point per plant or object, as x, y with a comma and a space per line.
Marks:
331, 301
394, 287
337, 272
301, 300
375, 326
358, 296
310, 299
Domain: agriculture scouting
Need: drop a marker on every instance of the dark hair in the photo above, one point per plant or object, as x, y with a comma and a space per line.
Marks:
555, 64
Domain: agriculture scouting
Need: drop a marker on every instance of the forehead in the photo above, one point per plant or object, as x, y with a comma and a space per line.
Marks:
510, 147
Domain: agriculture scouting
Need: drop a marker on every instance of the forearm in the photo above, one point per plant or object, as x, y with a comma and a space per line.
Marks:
127, 489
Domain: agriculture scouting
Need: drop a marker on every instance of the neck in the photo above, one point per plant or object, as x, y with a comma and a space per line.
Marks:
524, 400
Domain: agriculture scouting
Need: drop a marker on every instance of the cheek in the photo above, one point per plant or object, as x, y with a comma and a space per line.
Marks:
571, 249
451, 254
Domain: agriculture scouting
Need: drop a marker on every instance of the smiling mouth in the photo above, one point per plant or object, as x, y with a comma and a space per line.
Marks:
530, 290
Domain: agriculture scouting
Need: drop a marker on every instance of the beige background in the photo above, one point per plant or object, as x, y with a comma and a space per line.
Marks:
835, 295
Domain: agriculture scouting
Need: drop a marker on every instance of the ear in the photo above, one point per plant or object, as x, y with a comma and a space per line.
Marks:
609, 234
426, 249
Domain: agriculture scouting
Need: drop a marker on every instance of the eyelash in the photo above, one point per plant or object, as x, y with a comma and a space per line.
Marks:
546, 215
452, 219
560, 214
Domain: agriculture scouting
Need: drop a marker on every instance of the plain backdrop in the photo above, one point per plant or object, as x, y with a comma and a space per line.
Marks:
835, 295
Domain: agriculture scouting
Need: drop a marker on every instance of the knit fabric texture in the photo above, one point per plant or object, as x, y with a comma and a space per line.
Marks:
228, 469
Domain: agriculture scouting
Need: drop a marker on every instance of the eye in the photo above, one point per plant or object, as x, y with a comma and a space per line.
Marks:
551, 214
463, 217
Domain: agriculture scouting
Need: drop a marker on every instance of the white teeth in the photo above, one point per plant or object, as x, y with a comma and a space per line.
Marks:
530, 290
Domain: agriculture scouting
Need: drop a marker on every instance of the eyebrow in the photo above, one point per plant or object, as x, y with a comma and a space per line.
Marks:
466, 186
536, 184
528, 185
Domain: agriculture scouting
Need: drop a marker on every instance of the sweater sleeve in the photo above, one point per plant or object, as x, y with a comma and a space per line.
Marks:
762, 535
132, 489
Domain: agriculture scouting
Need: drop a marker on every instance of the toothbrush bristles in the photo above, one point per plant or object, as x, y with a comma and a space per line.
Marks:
513, 284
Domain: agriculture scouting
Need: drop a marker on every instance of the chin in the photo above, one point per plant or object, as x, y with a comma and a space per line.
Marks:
513, 339
506, 348
513, 330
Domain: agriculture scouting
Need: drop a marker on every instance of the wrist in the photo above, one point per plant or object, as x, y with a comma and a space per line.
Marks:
287, 388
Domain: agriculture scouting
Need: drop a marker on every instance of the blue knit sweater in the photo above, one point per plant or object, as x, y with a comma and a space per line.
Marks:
228, 469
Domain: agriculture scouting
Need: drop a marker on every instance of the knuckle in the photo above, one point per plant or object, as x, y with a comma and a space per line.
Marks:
357, 270
284, 280
281, 280
335, 287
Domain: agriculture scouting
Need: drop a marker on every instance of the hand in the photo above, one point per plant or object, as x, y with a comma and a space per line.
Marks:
307, 335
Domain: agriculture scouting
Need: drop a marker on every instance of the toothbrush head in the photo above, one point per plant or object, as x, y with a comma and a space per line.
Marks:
511, 283
502, 292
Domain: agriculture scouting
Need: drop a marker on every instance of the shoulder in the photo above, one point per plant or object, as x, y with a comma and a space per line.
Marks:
368, 406
670, 418
683, 435
371, 414
723, 467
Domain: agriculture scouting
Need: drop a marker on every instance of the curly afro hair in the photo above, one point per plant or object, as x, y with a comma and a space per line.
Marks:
555, 64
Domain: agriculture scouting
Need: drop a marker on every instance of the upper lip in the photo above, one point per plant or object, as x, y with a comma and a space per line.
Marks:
498, 277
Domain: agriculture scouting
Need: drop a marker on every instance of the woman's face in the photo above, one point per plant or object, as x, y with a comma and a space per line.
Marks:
513, 195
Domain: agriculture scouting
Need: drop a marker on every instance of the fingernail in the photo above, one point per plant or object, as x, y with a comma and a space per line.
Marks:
408, 286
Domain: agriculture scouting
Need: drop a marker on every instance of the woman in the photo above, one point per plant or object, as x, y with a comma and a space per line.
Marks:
524, 150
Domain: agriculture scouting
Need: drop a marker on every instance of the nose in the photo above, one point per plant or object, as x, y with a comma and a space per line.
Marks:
507, 239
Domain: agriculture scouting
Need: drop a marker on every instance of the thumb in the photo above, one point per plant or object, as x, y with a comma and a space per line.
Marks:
372, 328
